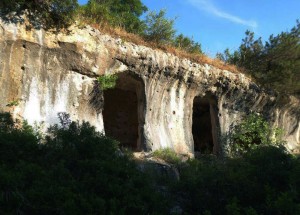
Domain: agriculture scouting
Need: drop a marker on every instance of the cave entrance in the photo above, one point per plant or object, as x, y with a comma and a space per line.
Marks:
123, 112
205, 125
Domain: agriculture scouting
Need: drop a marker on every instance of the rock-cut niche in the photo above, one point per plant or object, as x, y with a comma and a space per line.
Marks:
123, 112
204, 128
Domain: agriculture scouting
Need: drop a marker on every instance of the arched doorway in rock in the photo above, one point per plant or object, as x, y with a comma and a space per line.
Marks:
204, 127
123, 112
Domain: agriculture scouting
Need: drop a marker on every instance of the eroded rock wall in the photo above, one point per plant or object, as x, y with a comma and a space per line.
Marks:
51, 72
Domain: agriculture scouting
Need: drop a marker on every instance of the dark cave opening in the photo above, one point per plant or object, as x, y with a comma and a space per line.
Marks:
204, 125
123, 112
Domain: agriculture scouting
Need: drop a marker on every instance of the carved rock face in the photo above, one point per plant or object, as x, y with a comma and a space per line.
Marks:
160, 100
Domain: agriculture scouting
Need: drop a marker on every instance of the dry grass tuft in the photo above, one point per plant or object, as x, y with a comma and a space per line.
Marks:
134, 38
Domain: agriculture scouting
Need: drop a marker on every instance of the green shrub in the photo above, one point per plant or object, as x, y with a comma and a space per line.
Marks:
254, 131
76, 170
187, 44
159, 29
107, 81
262, 181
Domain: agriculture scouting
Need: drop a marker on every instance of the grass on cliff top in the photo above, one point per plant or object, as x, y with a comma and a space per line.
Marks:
134, 38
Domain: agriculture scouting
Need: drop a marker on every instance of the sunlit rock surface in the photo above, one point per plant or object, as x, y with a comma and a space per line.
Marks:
45, 73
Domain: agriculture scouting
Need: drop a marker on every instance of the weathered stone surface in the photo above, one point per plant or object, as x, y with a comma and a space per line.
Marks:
50, 73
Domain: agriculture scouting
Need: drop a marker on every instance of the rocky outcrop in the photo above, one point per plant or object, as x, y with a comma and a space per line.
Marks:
156, 100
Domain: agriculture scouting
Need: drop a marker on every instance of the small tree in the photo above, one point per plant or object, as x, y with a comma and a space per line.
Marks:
187, 44
119, 13
158, 28
274, 64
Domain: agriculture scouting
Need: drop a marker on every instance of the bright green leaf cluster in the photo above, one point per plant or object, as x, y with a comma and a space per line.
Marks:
254, 131
107, 81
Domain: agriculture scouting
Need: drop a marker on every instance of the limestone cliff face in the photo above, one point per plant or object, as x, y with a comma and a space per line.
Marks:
160, 100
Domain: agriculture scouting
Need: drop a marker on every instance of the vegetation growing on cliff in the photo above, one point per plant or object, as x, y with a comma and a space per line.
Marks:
275, 63
41, 13
117, 13
107, 81
113, 16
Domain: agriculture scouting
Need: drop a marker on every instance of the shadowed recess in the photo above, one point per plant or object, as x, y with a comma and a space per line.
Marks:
123, 112
204, 125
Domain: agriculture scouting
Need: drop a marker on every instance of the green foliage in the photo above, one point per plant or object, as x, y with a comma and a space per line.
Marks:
187, 44
95, 12
13, 103
76, 170
158, 28
262, 181
167, 155
274, 64
119, 13
58, 14
254, 131
41, 14
107, 81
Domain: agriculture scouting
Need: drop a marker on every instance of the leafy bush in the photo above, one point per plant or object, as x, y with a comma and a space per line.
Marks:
262, 179
124, 14
254, 131
41, 14
261, 182
76, 171
107, 81
187, 44
159, 29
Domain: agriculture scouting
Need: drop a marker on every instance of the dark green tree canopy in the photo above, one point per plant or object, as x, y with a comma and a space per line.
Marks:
275, 64
76, 170
41, 13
